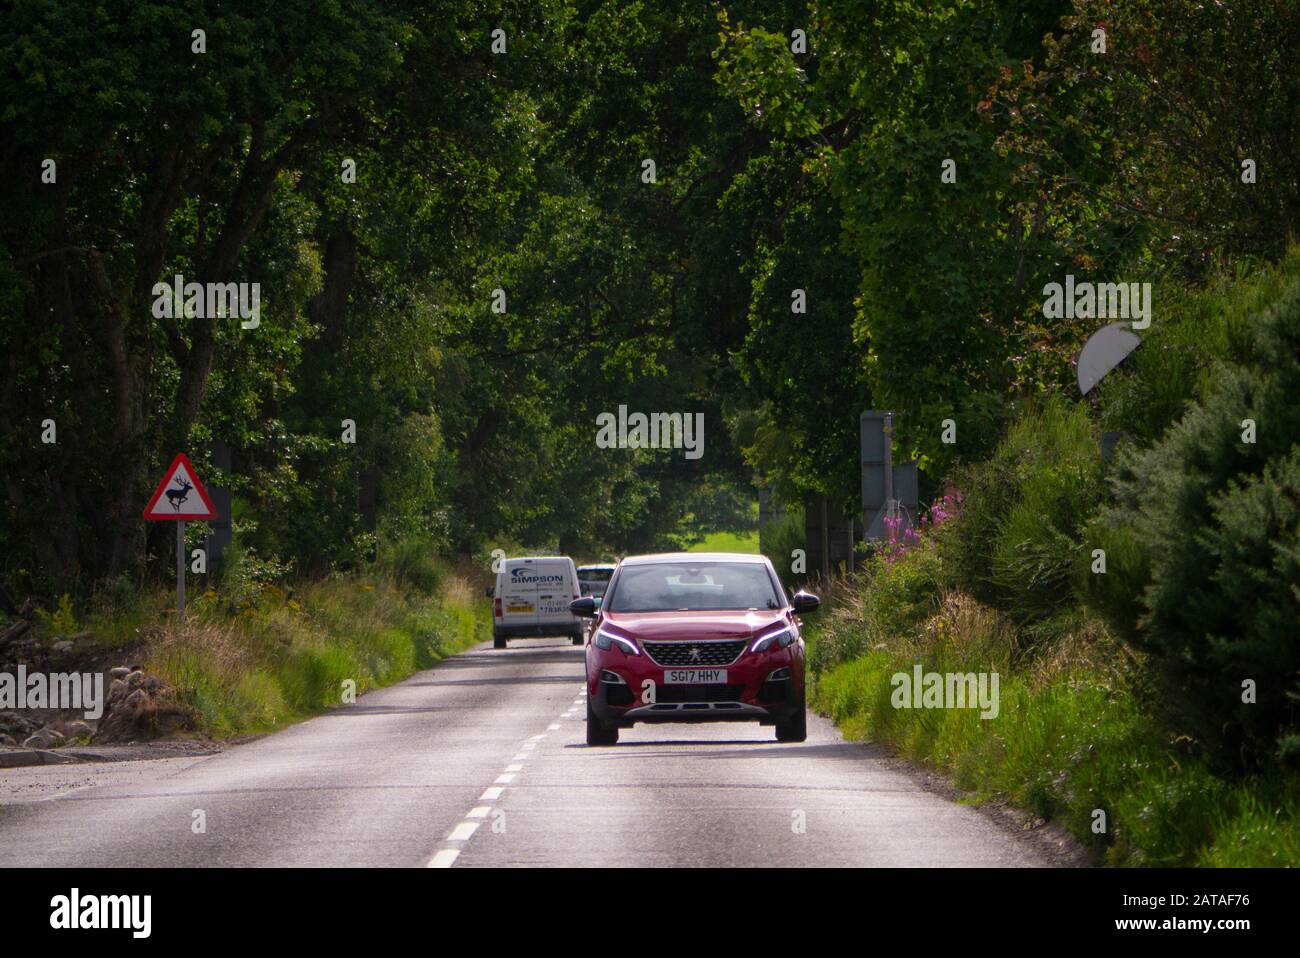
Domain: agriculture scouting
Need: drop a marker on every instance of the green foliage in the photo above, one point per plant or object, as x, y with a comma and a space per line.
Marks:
413, 562
1071, 736
1143, 146
287, 656
314, 676
1203, 547
890, 602
727, 542
779, 539
1196, 329
1017, 538
61, 621
941, 277
243, 577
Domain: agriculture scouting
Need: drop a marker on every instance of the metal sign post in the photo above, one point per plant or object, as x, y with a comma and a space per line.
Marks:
889, 489
891, 505
180, 570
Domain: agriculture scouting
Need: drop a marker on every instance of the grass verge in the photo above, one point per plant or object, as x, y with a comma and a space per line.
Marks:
1070, 742
281, 653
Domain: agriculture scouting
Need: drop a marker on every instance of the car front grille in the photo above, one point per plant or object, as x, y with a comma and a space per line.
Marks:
687, 654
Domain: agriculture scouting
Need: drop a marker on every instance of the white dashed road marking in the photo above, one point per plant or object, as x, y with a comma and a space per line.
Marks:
462, 832
445, 857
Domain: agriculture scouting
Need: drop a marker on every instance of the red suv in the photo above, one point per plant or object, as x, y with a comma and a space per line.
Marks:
695, 637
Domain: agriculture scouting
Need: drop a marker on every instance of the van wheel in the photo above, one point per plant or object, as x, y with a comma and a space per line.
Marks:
498, 642
577, 637
795, 728
598, 733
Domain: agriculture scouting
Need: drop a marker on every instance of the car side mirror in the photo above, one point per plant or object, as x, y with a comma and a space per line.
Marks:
585, 607
489, 590
804, 601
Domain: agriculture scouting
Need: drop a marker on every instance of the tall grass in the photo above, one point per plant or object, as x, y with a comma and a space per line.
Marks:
283, 653
1070, 738
1017, 540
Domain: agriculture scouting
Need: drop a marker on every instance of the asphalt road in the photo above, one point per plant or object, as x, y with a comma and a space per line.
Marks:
482, 762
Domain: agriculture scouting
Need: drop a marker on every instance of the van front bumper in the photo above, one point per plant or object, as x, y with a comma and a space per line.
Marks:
536, 631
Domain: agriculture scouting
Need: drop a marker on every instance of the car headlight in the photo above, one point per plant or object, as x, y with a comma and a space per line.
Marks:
606, 640
780, 637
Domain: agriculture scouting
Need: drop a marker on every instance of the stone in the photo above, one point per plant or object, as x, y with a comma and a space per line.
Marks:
45, 738
18, 726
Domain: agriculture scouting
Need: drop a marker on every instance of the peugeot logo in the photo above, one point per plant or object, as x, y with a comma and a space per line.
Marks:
695, 653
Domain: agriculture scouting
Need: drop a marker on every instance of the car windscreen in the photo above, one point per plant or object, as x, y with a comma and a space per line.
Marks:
595, 575
695, 587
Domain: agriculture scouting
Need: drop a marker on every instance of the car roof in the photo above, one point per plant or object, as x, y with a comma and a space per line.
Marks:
695, 557
538, 558
592, 568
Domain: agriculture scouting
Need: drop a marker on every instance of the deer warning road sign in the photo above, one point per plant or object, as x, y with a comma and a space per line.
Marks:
180, 495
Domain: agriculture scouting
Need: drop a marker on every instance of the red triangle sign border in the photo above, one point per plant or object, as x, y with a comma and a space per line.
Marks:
180, 460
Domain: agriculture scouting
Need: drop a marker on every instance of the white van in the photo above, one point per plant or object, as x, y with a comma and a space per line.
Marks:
532, 597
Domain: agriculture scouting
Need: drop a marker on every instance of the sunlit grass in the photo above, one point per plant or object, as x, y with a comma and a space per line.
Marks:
295, 649
728, 542
1070, 740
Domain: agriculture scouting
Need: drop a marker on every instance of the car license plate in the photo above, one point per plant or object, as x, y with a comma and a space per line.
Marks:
695, 676
519, 607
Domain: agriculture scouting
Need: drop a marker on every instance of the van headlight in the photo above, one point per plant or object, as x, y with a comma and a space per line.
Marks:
606, 640
779, 637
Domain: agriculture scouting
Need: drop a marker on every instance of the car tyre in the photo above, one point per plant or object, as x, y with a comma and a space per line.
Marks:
598, 733
577, 637
795, 728
498, 641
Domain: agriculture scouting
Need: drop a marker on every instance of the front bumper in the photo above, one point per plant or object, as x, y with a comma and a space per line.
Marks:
536, 631
748, 696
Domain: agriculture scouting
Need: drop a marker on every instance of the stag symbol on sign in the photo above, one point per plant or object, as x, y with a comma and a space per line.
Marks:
178, 496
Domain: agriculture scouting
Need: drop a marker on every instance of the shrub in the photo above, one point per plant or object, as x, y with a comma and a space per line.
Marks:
413, 562
885, 605
61, 621
1203, 551
1180, 353
1016, 540
780, 538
